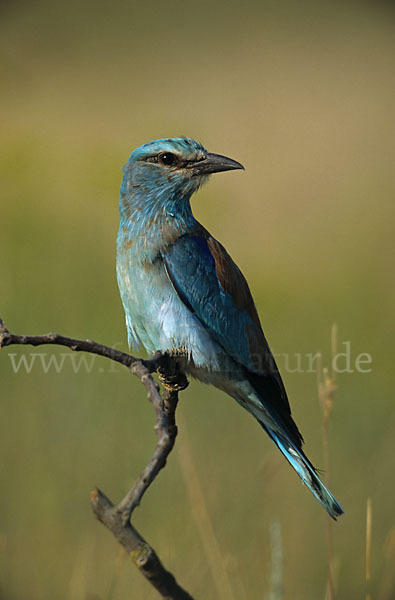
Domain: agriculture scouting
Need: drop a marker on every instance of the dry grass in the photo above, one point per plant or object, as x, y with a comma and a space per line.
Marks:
326, 393
215, 555
368, 554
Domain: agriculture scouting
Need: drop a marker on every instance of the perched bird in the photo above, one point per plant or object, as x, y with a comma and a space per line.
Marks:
183, 294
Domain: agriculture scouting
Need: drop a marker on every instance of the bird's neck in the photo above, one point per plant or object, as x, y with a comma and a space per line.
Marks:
150, 224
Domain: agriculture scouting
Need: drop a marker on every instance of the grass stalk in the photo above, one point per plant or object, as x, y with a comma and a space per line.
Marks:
326, 392
368, 557
201, 516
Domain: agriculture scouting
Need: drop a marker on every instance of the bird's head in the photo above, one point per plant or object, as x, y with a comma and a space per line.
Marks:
170, 171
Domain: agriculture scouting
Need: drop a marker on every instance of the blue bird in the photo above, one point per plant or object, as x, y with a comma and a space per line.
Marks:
183, 294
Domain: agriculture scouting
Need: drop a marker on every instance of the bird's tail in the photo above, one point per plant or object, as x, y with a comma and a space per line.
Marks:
265, 398
299, 461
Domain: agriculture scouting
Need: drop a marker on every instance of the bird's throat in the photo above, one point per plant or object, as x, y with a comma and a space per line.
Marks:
148, 226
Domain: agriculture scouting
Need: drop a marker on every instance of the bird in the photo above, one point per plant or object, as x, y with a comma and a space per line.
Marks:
184, 296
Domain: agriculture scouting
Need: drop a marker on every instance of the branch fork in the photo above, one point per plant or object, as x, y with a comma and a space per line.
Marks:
117, 518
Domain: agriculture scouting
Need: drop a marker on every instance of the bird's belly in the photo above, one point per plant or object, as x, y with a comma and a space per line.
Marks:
159, 320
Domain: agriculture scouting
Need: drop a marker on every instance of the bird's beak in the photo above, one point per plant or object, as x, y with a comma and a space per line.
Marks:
214, 163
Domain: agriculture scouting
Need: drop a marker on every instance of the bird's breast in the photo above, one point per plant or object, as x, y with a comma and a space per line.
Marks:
155, 315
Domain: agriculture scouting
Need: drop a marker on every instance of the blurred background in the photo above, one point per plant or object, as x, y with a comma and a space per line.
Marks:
302, 94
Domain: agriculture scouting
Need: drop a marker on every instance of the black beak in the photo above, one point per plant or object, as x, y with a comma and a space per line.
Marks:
214, 163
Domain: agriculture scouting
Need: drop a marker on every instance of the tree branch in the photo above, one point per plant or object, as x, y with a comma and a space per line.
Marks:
117, 518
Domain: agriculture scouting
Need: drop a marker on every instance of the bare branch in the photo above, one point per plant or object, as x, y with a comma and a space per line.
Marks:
8, 339
117, 517
141, 553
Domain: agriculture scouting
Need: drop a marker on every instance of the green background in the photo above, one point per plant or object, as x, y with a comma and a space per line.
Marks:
302, 94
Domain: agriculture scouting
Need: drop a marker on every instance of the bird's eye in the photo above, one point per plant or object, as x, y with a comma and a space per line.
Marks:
167, 158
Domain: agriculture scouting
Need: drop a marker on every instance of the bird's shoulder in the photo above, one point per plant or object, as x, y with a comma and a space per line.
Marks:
198, 250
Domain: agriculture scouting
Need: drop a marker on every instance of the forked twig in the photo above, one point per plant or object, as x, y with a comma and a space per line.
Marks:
117, 518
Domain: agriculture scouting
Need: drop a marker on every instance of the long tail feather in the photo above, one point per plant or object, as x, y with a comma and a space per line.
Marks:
299, 461
260, 396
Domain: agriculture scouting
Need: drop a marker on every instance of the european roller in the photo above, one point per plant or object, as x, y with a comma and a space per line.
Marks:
183, 294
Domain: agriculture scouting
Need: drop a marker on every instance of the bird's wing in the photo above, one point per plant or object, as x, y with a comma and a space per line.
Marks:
212, 286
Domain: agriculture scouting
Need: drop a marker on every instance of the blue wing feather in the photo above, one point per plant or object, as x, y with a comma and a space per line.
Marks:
192, 269
211, 285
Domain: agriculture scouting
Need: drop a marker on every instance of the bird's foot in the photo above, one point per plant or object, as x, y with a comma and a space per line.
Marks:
171, 376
